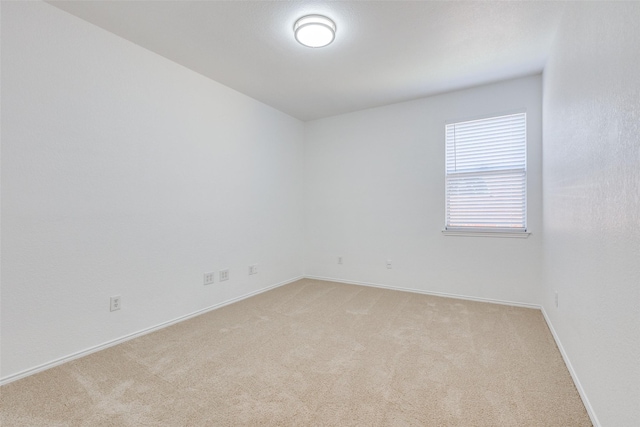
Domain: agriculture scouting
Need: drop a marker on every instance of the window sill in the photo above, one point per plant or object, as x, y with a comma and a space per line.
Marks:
469, 233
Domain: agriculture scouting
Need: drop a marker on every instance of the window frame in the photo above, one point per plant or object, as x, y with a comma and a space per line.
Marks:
489, 231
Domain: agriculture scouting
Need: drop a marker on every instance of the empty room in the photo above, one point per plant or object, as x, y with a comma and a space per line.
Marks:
320, 213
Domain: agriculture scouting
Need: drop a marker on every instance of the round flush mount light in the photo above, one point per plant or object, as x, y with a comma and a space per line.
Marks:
314, 30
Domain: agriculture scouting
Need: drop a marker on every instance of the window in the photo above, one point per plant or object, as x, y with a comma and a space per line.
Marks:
486, 174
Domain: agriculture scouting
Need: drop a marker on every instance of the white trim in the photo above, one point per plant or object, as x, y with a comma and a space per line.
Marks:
574, 375
90, 350
486, 116
420, 291
510, 234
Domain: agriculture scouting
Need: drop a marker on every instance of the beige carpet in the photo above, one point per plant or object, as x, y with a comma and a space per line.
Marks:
317, 354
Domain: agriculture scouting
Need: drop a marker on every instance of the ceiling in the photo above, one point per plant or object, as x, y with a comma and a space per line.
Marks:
384, 52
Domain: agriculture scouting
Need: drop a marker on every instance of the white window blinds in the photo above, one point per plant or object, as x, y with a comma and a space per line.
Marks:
486, 174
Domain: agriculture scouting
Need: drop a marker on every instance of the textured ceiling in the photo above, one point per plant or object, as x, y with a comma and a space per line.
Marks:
384, 52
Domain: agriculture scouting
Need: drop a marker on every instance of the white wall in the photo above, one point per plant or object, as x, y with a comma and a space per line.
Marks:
126, 174
592, 203
374, 190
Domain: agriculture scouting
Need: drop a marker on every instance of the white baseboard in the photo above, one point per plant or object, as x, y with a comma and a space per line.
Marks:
86, 352
574, 376
420, 291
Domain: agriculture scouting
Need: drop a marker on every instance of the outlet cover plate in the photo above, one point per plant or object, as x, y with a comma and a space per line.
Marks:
115, 303
208, 278
224, 275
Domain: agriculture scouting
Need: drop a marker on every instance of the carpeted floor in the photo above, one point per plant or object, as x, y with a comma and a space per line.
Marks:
315, 353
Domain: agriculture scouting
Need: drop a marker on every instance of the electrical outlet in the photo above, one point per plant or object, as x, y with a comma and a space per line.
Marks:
224, 275
115, 303
556, 292
253, 269
389, 266
339, 260
208, 278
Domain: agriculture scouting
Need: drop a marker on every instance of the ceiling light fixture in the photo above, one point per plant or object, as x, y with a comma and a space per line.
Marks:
315, 30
